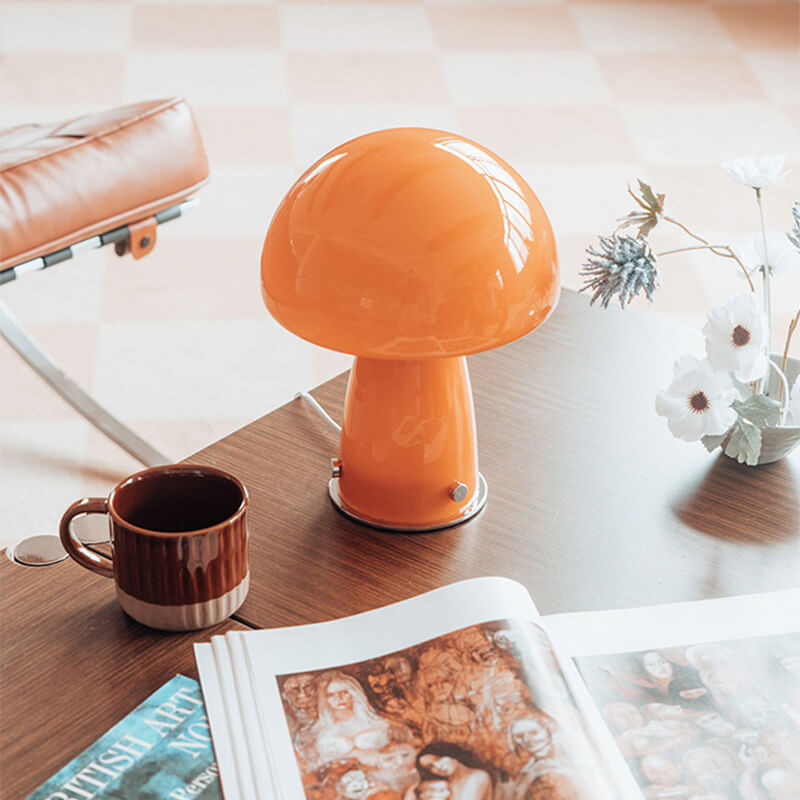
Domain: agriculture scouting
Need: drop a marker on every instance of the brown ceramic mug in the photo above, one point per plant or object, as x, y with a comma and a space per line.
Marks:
179, 540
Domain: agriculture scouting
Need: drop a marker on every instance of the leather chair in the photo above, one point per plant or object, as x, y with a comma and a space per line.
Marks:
99, 179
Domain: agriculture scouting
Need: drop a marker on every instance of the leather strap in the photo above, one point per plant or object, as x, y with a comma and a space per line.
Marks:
143, 236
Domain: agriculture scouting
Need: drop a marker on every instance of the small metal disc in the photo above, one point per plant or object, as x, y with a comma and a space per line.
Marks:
38, 551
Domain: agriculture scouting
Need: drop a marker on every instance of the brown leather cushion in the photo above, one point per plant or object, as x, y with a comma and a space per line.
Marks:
65, 182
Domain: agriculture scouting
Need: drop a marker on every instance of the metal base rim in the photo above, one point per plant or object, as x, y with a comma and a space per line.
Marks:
479, 500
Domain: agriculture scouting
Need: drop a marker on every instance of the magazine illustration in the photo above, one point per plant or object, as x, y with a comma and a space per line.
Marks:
480, 713
717, 719
467, 693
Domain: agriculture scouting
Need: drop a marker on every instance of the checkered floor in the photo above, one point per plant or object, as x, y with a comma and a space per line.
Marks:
581, 97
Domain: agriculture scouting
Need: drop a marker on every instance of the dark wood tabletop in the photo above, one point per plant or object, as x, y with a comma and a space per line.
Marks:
592, 504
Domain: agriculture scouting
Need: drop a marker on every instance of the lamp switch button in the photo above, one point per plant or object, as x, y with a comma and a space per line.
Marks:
458, 492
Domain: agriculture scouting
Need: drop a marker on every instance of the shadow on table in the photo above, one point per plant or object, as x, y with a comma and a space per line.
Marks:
751, 505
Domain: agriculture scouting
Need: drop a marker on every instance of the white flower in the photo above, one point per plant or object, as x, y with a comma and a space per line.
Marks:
782, 256
756, 171
794, 404
736, 338
698, 401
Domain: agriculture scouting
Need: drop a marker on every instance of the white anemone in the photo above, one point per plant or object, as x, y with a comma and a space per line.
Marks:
736, 336
756, 171
698, 401
783, 257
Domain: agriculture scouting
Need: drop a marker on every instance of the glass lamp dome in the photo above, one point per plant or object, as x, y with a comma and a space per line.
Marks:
409, 248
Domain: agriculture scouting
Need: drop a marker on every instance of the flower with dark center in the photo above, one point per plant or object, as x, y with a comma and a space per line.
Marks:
622, 266
697, 402
736, 338
740, 336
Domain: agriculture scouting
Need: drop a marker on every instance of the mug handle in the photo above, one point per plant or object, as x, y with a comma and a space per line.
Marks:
77, 549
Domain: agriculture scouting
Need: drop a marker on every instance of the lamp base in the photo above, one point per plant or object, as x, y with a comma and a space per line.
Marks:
474, 508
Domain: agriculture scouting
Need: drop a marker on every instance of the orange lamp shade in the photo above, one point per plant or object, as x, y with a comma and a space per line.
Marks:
409, 248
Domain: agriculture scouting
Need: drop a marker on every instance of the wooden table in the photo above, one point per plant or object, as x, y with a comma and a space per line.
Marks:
592, 504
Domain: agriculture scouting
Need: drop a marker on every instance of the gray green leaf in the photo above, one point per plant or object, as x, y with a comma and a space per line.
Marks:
762, 411
713, 442
745, 442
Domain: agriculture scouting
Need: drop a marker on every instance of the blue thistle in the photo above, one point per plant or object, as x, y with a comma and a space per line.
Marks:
794, 235
621, 266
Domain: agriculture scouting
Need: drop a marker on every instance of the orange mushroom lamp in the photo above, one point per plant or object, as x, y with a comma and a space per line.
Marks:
411, 249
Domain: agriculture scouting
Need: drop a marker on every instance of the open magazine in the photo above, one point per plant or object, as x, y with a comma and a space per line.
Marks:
467, 693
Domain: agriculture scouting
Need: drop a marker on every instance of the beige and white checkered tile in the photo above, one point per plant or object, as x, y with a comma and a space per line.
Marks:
33, 26
40, 472
220, 27
778, 71
709, 78
705, 199
518, 27
366, 78
581, 199
708, 134
24, 396
70, 293
583, 134
247, 135
761, 25
650, 28
91, 79
493, 4
215, 278
792, 112
190, 369
581, 96
356, 28
318, 129
207, 76
239, 202
520, 77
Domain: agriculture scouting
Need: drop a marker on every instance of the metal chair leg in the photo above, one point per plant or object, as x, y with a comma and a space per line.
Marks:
29, 350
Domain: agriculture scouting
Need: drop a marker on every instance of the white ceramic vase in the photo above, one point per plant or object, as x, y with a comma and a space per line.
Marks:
777, 443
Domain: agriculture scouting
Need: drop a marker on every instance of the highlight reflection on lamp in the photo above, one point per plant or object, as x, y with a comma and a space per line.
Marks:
409, 248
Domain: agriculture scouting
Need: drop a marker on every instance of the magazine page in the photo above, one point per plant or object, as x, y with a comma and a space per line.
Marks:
243, 767
702, 699
216, 706
255, 742
454, 694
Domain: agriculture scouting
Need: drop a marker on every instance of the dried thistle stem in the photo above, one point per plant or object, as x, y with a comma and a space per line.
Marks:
699, 238
713, 248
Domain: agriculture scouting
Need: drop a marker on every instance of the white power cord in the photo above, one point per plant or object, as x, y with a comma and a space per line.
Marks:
320, 410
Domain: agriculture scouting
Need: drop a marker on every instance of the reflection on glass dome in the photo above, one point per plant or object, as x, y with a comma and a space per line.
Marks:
517, 223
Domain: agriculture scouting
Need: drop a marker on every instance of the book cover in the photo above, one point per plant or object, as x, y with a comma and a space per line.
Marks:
161, 751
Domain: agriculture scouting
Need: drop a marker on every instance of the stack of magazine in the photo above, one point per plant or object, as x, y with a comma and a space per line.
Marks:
467, 693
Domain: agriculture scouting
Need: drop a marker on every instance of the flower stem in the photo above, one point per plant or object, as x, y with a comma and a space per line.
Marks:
767, 293
698, 238
684, 228
792, 326
713, 248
